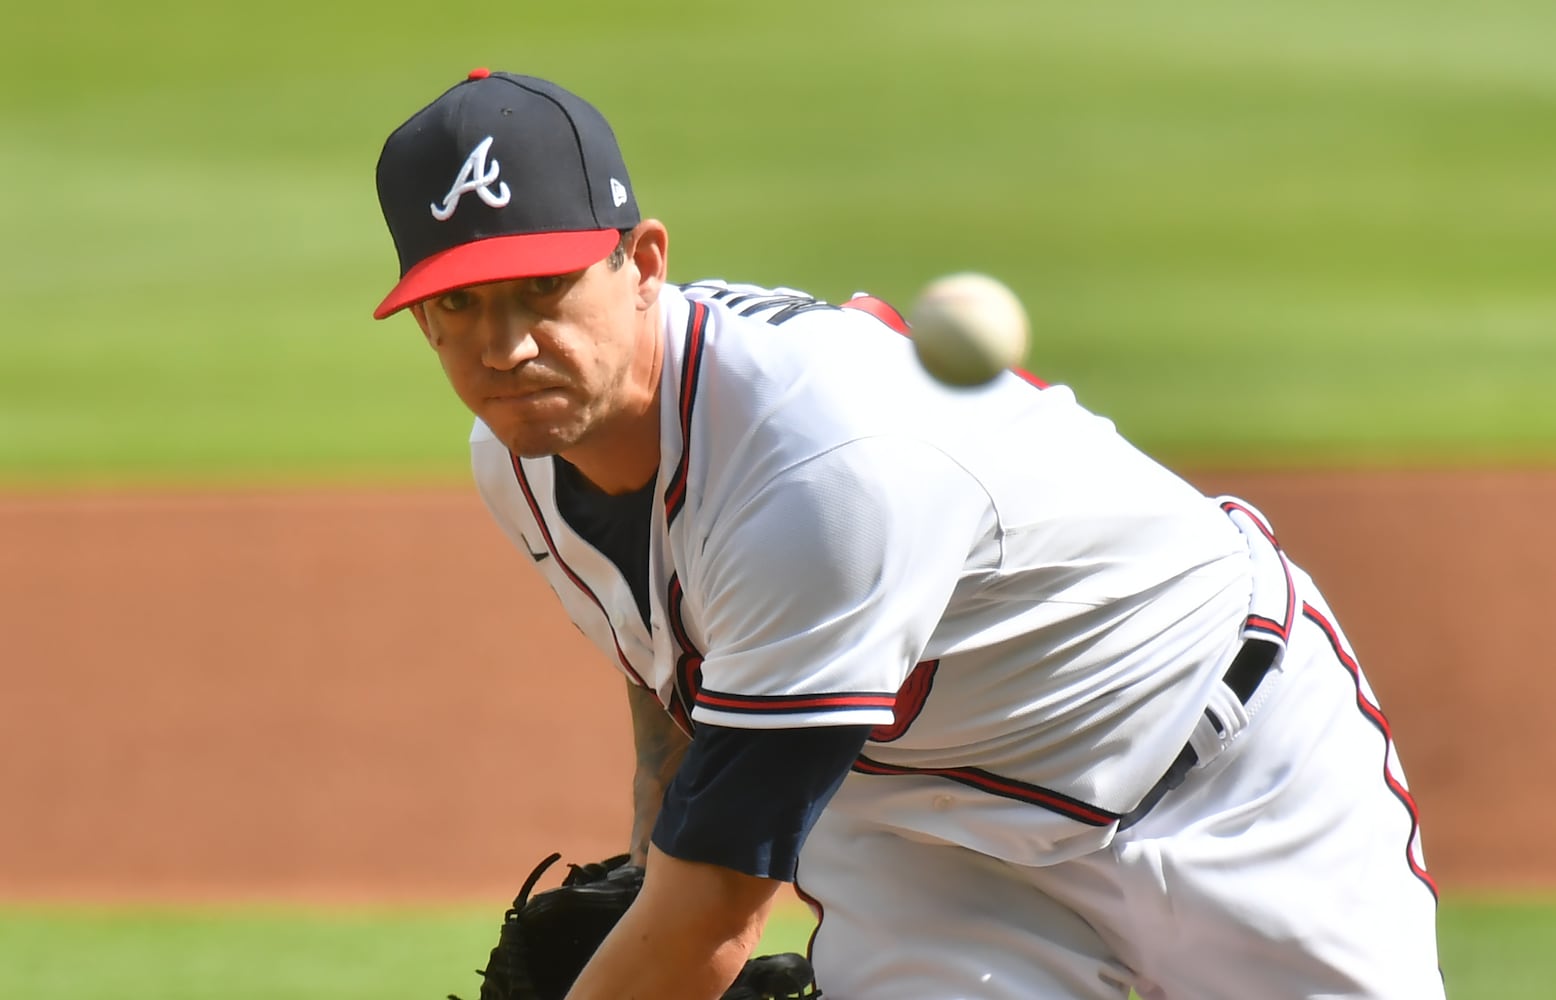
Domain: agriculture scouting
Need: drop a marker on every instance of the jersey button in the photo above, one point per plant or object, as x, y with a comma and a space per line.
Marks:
940, 803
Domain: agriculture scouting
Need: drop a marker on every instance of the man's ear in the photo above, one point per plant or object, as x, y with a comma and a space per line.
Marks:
649, 253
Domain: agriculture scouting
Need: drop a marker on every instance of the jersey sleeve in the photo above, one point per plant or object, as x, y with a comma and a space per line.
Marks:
747, 798
823, 590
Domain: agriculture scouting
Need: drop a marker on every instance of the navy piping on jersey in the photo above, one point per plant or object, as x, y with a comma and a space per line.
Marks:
1258, 623
1005, 788
1375, 716
545, 532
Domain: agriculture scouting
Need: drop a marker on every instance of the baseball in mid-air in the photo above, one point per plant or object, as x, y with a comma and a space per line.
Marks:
967, 328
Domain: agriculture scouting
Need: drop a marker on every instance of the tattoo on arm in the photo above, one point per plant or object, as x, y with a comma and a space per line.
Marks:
660, 745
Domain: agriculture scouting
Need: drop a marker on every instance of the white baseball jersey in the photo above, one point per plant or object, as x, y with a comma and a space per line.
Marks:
1035, 619
1014, 596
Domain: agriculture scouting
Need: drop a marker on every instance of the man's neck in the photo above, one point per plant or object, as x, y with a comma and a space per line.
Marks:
623, 467
625, 456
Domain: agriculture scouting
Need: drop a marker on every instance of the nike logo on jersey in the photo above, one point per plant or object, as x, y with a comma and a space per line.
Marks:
477, 177
540, 556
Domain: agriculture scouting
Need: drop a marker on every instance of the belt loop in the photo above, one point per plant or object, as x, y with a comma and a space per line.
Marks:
1225, 716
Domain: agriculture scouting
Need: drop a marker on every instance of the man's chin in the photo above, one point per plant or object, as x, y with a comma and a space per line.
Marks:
529, 438
529, 444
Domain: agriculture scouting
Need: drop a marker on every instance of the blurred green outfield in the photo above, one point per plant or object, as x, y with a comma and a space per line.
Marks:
1489, 951
1254, 234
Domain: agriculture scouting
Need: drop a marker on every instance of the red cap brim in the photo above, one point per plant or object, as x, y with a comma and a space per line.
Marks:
500, 258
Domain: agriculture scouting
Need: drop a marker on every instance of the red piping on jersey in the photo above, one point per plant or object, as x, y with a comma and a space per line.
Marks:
1261, 624
691, 368
688, 667
784, 703
908, 703
1257, 622
545, 533
881, 310
1374, 715
1005, 788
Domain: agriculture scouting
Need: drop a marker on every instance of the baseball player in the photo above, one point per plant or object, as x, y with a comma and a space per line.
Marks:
1019, 711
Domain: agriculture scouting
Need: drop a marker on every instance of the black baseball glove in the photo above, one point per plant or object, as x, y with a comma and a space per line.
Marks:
546, 940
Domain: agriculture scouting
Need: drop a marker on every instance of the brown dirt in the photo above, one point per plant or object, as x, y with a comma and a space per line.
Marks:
370, 696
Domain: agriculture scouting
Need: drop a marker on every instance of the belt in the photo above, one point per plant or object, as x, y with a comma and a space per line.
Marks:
1248, 668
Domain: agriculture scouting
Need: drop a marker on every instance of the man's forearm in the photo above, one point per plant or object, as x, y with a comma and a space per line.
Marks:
659, 746
686, 936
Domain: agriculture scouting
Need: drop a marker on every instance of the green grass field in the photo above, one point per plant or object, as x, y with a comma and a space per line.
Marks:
1491, 950
1253, 234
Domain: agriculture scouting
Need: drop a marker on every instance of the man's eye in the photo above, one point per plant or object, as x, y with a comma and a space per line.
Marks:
454, 301
546, 284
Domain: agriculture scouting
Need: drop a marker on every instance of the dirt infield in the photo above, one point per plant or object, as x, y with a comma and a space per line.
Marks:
360, 696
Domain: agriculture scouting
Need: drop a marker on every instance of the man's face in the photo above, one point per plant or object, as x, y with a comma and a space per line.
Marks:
544, 362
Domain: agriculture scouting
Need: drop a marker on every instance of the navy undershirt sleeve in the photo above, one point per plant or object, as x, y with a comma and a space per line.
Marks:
746, 798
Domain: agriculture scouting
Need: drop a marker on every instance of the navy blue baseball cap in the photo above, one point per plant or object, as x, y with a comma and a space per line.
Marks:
501, 177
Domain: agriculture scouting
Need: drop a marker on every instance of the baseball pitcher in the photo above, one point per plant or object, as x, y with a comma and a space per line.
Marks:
1019, 711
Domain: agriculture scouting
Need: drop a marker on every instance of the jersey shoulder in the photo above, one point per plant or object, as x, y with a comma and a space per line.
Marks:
779, 373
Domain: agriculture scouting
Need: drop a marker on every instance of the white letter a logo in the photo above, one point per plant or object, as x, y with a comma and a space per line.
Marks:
475, 176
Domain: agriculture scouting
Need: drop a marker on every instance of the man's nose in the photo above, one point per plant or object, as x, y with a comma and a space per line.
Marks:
510, 339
